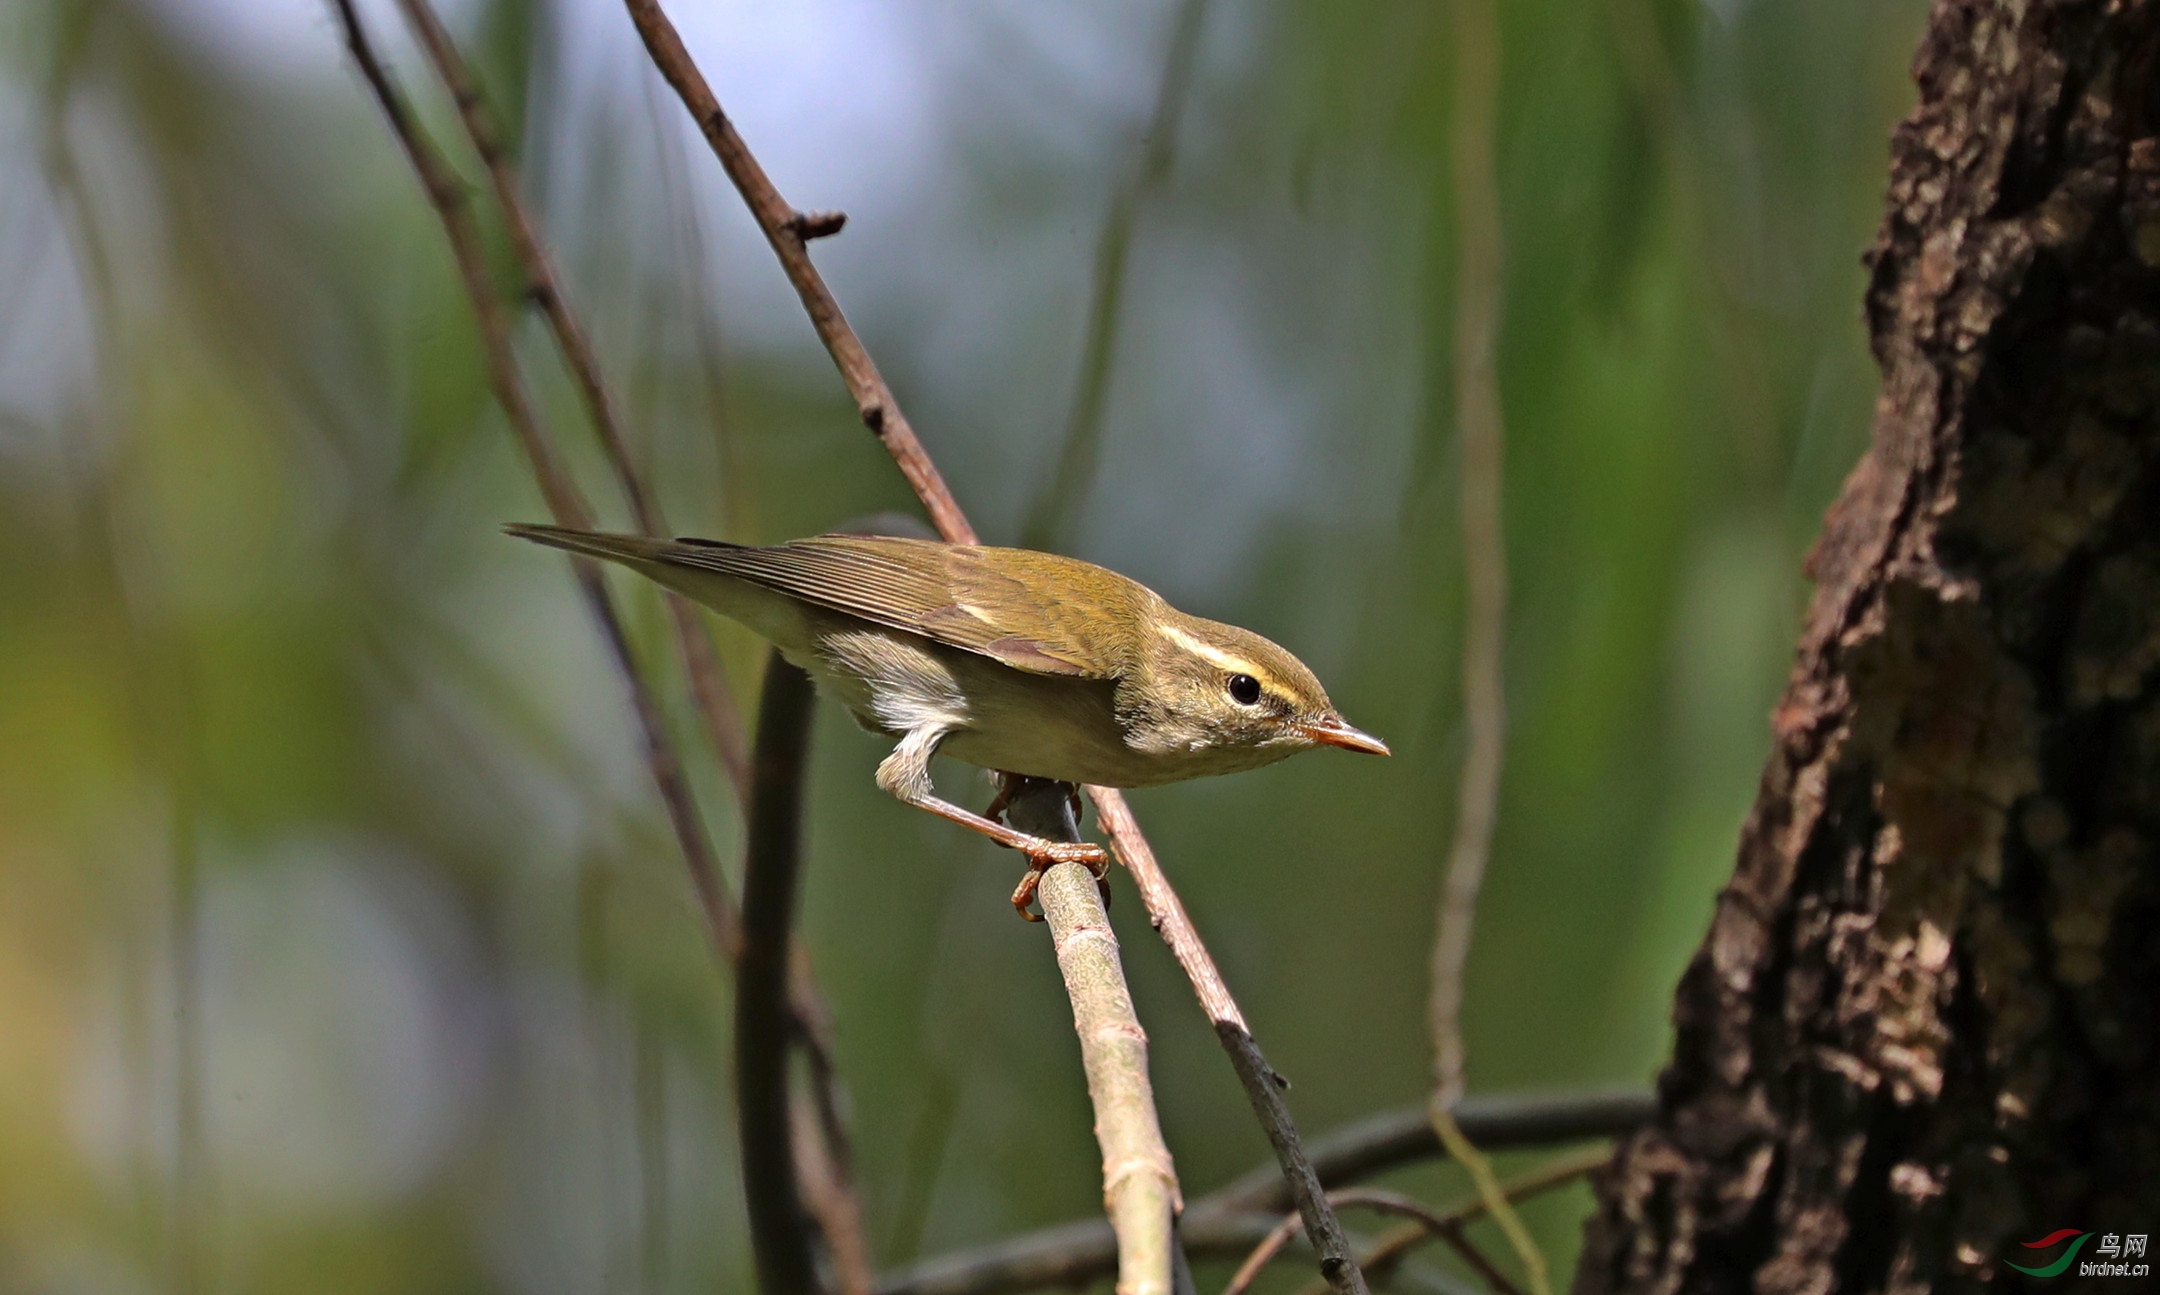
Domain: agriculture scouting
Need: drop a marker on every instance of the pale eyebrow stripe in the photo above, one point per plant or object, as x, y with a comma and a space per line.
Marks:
1206, 651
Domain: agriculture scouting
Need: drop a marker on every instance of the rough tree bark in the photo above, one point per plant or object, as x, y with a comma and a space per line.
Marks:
1923, 1026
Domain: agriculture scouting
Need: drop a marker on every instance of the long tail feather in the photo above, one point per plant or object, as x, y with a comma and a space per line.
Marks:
633, 549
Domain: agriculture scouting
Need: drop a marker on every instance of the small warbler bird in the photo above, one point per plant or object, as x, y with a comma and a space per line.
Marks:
1023, 663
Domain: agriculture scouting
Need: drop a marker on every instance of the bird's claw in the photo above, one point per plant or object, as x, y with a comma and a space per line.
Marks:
1050, 853
1044, 855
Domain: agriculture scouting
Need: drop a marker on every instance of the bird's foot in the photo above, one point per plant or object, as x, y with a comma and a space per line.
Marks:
1044, 854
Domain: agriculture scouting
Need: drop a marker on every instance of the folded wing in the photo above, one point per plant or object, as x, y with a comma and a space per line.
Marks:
1036, 612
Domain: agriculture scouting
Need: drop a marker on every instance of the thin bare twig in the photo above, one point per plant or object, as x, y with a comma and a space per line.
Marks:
447, 196
1140, 1191
1445, 1226
708, 682
1487, 1183
1228, 1221
827, 1182
881, 413
823, 1170
1478, 419
1500, 1122
1397, 1245
1164, 907
735, 493
1452, 1231
784, 228
1067, 485
446, 193
1478, 304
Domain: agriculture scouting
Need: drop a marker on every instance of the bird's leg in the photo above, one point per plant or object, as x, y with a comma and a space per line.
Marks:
1010, 785
905, 774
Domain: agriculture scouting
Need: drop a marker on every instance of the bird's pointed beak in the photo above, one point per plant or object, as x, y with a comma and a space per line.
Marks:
1332, 731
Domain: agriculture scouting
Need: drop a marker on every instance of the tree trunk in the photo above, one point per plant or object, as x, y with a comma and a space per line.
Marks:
1925, 1024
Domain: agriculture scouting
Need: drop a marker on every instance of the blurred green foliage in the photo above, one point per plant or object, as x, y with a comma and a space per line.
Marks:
342, 944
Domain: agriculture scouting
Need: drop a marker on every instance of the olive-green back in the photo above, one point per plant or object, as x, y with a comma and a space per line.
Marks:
1037, 612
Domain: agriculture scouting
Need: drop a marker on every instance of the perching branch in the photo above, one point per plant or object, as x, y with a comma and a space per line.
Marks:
1263, 1087
1140, 1191
1229, 1221
1067, 485
1478, 303
784, 229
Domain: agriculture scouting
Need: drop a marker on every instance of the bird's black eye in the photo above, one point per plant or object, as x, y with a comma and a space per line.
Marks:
1244, 689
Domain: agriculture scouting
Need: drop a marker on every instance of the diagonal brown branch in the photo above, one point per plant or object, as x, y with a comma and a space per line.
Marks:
1500, 1122
784, 227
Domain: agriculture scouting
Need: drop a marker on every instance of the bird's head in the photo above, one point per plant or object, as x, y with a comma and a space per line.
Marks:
1229, 696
